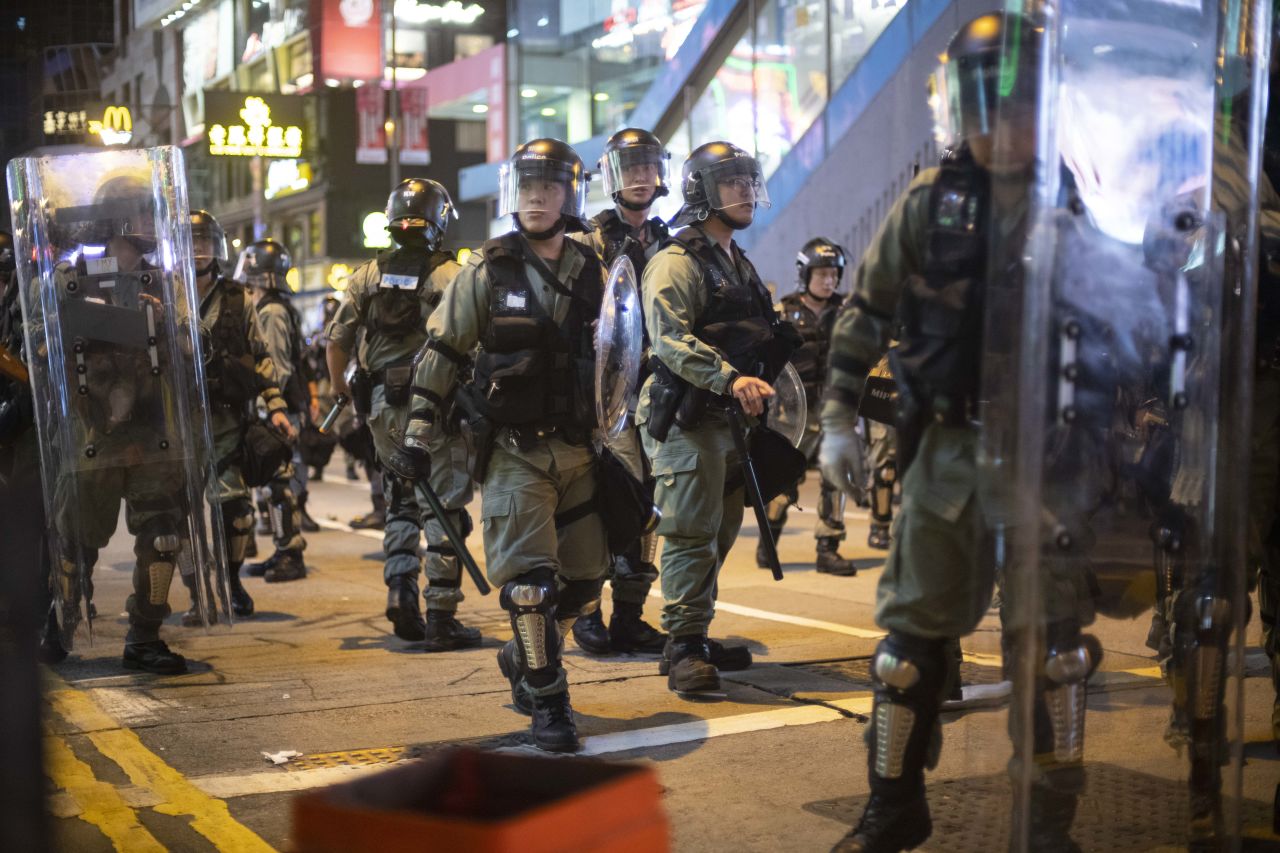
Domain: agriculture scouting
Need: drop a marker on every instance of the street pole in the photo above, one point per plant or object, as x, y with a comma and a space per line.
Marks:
393, 138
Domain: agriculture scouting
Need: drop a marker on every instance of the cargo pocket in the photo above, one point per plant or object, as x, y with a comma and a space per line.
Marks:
689, 507
496, 505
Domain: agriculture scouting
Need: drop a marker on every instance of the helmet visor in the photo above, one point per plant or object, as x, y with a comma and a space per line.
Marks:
209, 243
635, 166
541, 186
735, 182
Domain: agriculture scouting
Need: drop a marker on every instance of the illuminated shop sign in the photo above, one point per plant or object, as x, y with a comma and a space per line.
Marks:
285, 177
241, 125
375, 231
115, 126
453, 12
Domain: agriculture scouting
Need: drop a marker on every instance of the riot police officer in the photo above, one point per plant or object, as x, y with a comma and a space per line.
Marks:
238, 371
528, 300
812, 311
263, 266
938, 578
634, 167
390, 299
710, 321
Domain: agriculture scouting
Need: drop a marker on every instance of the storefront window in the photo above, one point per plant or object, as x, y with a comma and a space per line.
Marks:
585, 64
855, 25
790, 74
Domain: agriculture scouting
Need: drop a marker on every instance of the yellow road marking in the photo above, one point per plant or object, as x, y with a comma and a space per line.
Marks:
100, 804
209, 816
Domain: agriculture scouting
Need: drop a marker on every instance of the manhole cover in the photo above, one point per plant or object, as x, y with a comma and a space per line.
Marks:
1120, 810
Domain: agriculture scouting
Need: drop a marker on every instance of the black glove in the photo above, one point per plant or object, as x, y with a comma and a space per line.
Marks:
409, 462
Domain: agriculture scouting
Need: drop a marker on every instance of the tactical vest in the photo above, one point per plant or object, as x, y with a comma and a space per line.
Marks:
810, 358
529, 370
615, 232
397, 308
231, 367
937, 360
738, 319
295, 391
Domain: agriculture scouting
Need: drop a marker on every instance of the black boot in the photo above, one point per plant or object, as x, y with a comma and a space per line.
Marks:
289, 567
510, 666
374, 520
402, 609
630, 633
889, 825
153, 656
591, 635
690, 670
251, 546
317, 475
722, 657
241, 601
762, 555
51, 648
307, 523
878, 537
830, 562
553, 728
1052, 812
444, 632
257, 570
351, 471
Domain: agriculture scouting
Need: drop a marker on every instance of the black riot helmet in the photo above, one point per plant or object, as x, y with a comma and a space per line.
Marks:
208, 242
544, 160
819, 252
634, 158
990, 66
8, 260
717, 176
124, 207
419, 206
264, 265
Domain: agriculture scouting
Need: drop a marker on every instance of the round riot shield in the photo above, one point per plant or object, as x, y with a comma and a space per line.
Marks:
619, 346
1117, 373
108, 290
788, 408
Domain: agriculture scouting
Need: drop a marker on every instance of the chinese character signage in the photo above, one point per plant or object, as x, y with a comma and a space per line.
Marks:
371, 129
350, 40
239, 124
414, 150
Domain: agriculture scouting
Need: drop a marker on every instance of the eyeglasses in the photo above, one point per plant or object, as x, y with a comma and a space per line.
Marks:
741, 184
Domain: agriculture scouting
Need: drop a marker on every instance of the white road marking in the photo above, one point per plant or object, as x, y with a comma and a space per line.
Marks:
347, 528
128, 705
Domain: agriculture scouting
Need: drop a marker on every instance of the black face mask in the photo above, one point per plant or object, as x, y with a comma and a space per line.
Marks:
411, 238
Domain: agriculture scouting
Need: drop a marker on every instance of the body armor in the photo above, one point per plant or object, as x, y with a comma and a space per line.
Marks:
937, 359
231, 368
739, 318
397, 305
531, 371
614, 233
810, 359
295, 390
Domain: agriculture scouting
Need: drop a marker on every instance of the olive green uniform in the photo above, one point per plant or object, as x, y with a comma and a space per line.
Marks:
523, 491
227, 420
407, 513
937, 582
697, 471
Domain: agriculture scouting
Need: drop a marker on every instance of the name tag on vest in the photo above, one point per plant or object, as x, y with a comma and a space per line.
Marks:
516, 300
399, 282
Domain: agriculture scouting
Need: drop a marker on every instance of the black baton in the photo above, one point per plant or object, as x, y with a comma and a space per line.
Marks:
738, 426
339, 403
454, 537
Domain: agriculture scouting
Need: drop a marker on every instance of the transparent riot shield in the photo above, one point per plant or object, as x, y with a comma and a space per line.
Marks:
788, 411
1115, 393
619, 346
108, 295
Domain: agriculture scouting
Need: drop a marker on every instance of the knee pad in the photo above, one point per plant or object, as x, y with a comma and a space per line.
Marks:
531, 600
237, 522
1072, 657
882, 492
910, 674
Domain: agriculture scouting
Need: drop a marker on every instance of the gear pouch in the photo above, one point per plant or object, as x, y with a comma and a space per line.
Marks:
397, 384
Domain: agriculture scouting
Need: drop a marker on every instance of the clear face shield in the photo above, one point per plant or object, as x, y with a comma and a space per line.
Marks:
209, 244
736, 182
964, 96
542, 190
635, 168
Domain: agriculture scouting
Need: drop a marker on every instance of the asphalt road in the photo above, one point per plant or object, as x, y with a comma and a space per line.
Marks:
139, 762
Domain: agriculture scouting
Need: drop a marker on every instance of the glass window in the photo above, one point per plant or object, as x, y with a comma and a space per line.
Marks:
855, 25
790, 75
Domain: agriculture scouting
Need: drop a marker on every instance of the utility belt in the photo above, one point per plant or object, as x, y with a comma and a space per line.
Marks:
396, 381
525, 437
917, 410
672, 400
